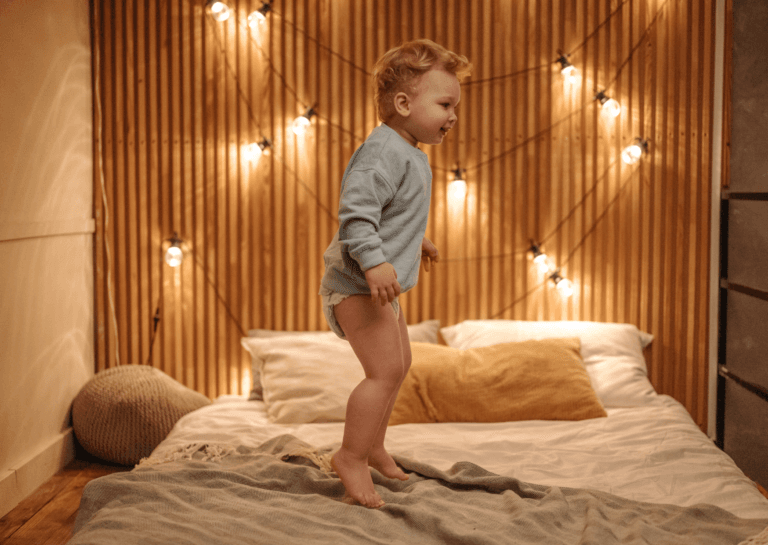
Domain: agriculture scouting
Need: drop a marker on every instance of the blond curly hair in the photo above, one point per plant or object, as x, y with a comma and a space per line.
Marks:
399, 68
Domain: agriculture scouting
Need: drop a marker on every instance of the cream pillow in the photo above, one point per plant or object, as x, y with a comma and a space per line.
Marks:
308, 376
612, 353
424, 332
529, 380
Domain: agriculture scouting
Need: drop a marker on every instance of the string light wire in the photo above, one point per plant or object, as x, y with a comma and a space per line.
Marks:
483, 163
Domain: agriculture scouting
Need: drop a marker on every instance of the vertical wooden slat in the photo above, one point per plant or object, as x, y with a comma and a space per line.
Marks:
182, 95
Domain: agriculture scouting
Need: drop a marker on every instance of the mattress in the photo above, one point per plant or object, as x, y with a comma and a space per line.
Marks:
650, 453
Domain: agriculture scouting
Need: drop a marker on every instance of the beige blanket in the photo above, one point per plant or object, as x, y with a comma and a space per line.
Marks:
273, 495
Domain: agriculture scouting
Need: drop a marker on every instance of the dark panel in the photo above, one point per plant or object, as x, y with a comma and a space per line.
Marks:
748, 244
746, 431
746, 339
749, 162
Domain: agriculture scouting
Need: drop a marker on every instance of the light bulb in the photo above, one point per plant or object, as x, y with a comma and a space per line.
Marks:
252, 152
542, 263
300, 125
457, 189
219, 10
565, 287
632, 154
255, 19
568, 71
612, 108
174, 256
259, 16
540, 259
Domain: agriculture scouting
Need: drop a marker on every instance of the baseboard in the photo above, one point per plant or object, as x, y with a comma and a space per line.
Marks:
20, 482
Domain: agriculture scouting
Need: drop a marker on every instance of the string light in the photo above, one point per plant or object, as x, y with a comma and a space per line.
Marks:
260, 15
457, 189
563, 285
632, 153
301, 123
457, 186
255, 150
539, 258
174, 255
218, 10
610, 106
568, 70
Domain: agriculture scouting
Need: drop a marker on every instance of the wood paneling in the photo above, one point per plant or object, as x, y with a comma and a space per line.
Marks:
182, 95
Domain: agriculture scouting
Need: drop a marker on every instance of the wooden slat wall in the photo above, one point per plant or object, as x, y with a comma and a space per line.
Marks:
181, 95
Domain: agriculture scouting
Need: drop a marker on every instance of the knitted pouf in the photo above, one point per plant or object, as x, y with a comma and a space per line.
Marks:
124, 412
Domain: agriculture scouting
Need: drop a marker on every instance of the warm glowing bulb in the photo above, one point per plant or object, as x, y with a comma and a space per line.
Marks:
569, 72
174, 256
220, 11
632, 153
252, 152
611, 107
457, 189
300, 125
565, 287
255, 19
542, 263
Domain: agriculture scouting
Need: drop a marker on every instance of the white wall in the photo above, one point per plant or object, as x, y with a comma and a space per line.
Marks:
46, 234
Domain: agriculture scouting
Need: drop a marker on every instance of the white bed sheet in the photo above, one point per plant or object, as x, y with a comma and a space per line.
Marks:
653, 453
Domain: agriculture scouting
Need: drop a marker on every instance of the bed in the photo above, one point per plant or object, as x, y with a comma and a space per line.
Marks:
598, 458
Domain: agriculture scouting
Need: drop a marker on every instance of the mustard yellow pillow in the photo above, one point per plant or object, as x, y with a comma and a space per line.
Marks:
529, 380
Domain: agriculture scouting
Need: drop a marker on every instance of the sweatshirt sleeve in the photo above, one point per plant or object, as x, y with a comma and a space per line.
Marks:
365, 194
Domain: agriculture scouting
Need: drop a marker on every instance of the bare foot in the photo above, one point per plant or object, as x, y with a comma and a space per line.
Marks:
356, 478
380, 460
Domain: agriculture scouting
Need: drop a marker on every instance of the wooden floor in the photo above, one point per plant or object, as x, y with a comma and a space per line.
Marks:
48, 515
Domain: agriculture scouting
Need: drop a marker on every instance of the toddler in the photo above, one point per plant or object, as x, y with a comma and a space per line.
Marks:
375, 255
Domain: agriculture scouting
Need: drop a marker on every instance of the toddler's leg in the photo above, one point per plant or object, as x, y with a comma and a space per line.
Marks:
379, 458
374, 334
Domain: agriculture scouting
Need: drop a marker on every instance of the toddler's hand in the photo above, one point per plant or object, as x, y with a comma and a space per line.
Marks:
429, 253
382, 279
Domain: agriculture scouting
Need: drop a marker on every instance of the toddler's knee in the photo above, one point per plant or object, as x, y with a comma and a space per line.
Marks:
391, 378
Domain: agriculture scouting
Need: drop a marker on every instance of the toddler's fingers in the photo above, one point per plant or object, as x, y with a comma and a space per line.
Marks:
390, 293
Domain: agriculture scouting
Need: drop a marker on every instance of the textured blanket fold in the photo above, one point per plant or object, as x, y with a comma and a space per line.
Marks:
272, 494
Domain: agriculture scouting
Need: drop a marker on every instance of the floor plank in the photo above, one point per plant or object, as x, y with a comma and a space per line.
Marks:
47, 516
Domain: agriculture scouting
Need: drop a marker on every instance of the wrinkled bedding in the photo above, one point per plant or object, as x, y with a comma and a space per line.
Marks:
651, 453
281, 492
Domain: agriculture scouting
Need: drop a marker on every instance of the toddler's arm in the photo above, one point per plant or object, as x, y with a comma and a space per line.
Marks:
364, 194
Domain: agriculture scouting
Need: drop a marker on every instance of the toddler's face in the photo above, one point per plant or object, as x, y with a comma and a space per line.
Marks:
433, 108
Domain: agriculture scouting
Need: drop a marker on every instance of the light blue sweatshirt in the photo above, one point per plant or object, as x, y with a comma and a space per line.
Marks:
383, 212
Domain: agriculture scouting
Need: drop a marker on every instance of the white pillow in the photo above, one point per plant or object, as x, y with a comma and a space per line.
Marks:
284, 349
612, 353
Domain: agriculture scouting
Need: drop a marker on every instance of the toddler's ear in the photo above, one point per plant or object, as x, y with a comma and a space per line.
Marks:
402, 104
